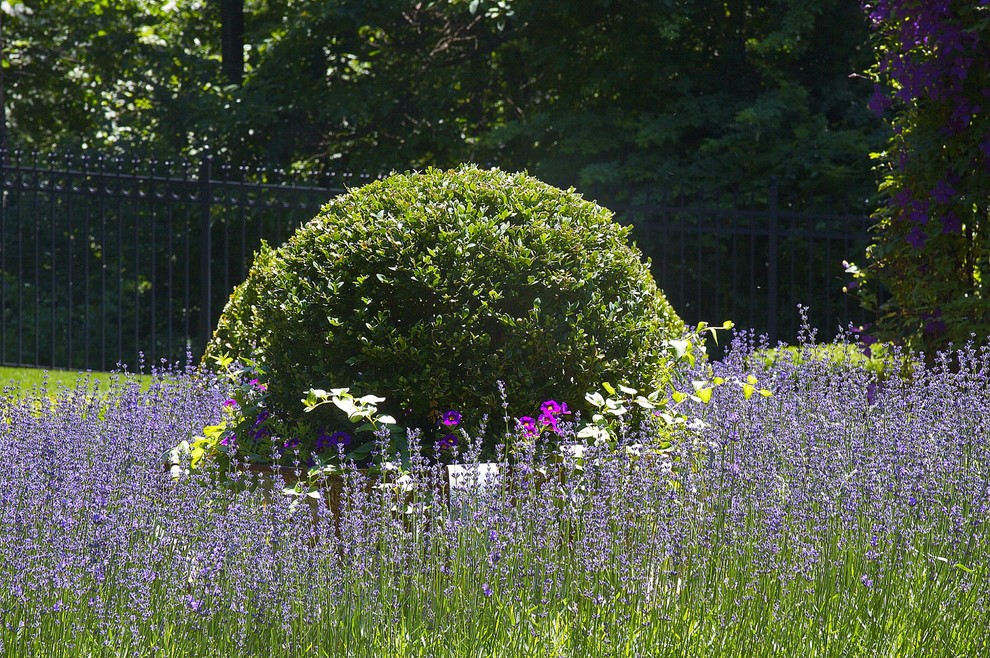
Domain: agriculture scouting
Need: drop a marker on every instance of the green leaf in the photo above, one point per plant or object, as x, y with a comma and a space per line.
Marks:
595, 398
680, 347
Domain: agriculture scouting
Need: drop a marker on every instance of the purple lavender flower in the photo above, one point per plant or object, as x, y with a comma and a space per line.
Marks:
871, 393
817, 472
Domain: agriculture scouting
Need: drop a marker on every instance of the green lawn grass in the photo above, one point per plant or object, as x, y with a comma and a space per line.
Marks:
25, 379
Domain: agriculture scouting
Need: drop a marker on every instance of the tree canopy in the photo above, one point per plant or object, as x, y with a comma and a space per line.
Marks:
625, 99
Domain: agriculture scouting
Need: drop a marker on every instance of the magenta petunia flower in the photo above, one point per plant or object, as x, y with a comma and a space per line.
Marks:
451, 418
230, 403
448, 442
528, 425
547, 418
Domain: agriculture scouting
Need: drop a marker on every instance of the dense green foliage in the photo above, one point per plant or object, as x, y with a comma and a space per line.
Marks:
931, 249
623, 99
430, 288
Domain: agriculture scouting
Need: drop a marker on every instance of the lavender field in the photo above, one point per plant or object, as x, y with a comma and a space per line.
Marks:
844, 515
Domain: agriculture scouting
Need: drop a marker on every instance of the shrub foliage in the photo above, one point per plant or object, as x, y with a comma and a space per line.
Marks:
430, 288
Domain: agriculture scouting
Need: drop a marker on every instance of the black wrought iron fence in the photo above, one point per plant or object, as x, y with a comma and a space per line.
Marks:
104, 260
755, 266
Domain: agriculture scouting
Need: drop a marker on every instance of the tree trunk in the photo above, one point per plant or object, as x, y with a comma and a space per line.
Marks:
232, 40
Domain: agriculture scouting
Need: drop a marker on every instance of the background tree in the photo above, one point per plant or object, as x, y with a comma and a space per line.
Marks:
625, 99
932, 236
631, 99
111, 75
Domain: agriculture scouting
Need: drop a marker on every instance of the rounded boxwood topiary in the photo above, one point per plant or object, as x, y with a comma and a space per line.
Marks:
430, 288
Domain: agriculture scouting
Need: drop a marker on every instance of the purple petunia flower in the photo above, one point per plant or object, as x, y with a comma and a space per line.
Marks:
528, 425
335, 440
549, 420
448, 442
555, 408
451, 418
230, 403
260, 431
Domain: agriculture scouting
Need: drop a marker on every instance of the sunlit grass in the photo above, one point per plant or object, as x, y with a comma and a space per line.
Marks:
26, 379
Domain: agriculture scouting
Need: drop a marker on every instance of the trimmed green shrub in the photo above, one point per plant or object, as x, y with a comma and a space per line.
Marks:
429, 288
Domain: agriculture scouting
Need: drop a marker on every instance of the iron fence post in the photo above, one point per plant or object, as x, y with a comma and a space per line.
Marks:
206, 278
3, 253
772, 274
